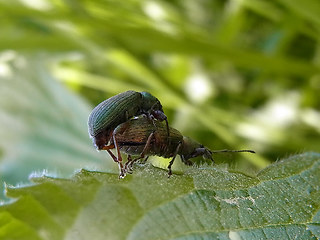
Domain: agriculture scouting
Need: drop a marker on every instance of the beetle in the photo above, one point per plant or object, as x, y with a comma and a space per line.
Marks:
118, 109
140, 136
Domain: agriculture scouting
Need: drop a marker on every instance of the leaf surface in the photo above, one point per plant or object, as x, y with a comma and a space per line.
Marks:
280, 202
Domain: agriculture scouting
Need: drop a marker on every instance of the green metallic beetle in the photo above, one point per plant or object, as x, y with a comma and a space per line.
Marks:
141, 137
118, 109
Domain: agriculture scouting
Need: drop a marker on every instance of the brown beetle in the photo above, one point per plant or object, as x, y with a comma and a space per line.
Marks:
142, 137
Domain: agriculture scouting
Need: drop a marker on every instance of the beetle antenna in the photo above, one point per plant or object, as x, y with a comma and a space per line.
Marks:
227, 150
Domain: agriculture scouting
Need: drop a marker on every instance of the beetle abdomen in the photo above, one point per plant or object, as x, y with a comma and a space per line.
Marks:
132, 136
113, 111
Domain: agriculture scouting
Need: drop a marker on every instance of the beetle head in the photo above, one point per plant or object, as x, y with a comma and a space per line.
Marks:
192, 149
100, 140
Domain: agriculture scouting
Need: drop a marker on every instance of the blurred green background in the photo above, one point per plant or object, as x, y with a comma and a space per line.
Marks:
230, 73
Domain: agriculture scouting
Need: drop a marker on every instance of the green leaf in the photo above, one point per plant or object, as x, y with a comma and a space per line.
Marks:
39, 119
280, 202
309, 10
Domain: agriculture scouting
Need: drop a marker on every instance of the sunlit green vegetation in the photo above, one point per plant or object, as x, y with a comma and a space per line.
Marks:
231, 74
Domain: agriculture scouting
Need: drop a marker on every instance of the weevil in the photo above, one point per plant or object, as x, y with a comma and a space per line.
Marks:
141, 137
118, 109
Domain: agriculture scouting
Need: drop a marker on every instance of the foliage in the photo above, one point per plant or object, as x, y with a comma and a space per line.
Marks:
281, 202
43, 127
229, 73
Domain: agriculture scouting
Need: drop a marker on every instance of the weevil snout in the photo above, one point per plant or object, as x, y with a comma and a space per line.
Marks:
202, 151
158, 114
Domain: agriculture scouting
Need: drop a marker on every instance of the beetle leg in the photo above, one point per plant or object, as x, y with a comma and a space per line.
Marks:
107, 148
119, 158
152, 118
144, 151
127, 166
113, 156
174, 156
112, 146
145, 160
159, 115
186, 161
142, 162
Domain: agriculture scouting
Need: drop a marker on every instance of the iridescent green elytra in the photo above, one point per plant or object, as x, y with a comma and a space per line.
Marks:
118, 109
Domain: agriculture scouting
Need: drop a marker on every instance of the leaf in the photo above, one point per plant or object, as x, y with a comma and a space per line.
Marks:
40, 120
309, 10
280, 202
130, 27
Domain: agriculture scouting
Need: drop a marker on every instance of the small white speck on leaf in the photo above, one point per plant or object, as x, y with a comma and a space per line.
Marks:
234, 235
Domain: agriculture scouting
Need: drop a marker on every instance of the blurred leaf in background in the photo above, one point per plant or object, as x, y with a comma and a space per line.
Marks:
43, 126
231, 74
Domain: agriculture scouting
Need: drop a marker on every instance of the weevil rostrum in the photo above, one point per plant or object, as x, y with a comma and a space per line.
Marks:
141, 137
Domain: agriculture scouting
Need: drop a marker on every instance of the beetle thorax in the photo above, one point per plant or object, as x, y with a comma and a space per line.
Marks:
188, 147
150, 102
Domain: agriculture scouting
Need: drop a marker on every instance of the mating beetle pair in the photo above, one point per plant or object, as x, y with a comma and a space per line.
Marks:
106, 116
118, 109
112, 127
139, 136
